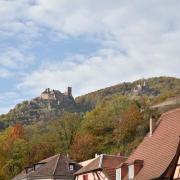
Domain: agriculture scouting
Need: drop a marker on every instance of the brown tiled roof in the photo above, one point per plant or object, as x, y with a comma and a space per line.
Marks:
158, 151
54, 166
92, 166
105, 163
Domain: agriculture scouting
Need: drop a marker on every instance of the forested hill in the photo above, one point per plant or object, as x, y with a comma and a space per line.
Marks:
158, 87
52, 103
112, 120
49, 105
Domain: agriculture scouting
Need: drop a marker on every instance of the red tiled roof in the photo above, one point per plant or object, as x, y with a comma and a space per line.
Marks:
110, 163
105, 163
158, 151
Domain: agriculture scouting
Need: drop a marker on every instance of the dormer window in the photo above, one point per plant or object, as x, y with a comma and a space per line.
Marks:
121, 172
71, 166
131, 171
29, 169
118, 174
38, 165
134, 168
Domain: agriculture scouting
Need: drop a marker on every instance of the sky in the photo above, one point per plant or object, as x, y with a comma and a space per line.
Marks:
86, 44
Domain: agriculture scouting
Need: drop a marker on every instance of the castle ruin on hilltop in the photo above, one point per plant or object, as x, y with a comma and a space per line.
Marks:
51, 94
142, 88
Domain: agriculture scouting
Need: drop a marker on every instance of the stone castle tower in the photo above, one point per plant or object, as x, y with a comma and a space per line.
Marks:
68, 92
49, 94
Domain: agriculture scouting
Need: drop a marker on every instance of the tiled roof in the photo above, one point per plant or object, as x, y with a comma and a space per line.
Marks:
85, 163
110, 163
92, 166
54, 166
158, 151
105, 163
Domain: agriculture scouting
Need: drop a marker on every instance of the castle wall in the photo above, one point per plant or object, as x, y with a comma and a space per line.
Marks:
47, 96
44, 96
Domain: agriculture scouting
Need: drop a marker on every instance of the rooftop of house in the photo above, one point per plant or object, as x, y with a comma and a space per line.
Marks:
55, 166
85, 163
106, 163
158, 151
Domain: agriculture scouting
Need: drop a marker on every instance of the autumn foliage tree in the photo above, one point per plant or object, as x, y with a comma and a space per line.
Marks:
14, 149
83, 147
117, 124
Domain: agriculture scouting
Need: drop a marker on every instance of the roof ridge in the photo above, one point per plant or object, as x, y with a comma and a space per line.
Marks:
48, 158
56, 164
160, 119
111, 155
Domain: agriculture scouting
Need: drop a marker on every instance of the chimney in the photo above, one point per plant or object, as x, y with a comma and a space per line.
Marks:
69, 91
151, 125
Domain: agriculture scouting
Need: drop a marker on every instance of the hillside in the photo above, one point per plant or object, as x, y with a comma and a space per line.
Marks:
52, 103
49, 105
158, 89
112, 120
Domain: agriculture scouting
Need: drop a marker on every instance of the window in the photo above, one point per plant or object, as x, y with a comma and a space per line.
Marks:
118, 174
29, 169
38, 165
177, 171
131, 171
85, 177
71, 167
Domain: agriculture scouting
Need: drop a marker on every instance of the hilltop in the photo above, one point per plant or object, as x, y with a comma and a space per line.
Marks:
49, 105
52, 103
157, 89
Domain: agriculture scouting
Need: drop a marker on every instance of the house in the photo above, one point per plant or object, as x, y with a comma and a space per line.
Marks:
57, 167
157, 156
102, 167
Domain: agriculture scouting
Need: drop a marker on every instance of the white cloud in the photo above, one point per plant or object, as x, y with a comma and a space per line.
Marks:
8, 95
14, 58
105, 68
138, 39
14, 20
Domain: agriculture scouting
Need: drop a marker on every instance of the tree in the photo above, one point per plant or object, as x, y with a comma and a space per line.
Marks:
83, 147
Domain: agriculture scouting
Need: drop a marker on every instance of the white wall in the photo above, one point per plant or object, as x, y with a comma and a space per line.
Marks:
93, 176
177, 170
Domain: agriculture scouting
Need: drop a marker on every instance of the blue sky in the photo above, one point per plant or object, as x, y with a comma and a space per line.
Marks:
85, 44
